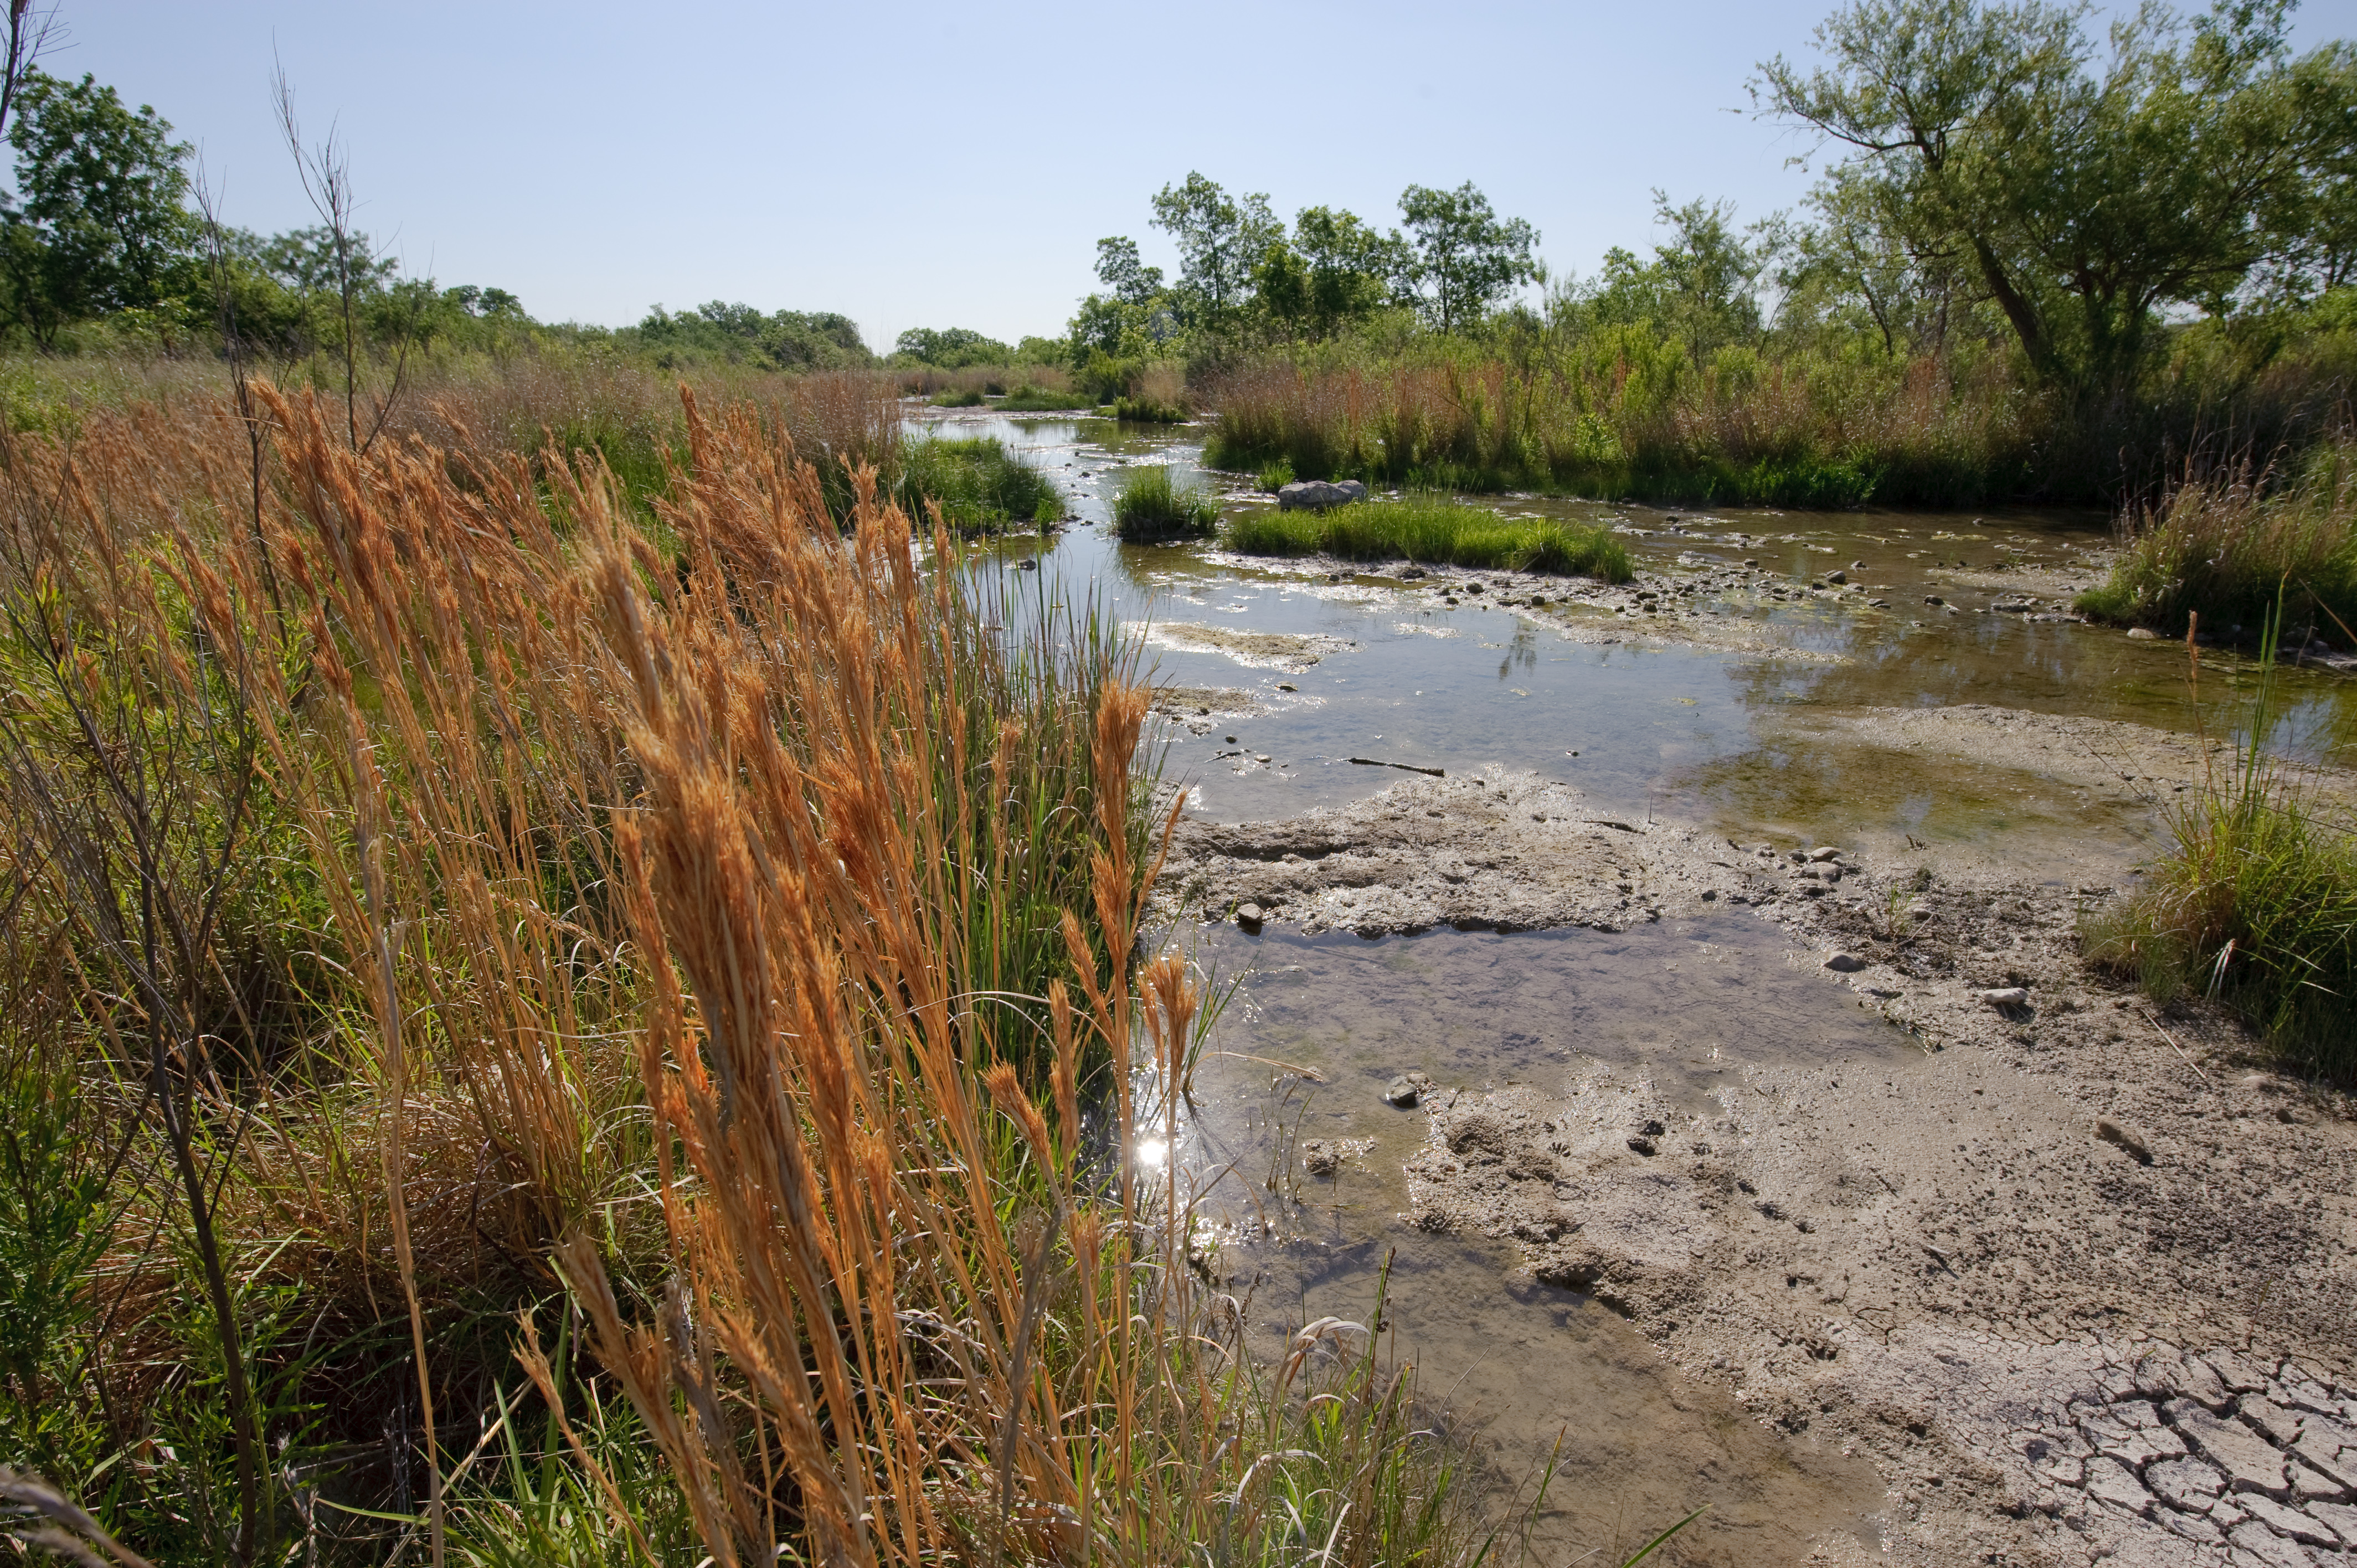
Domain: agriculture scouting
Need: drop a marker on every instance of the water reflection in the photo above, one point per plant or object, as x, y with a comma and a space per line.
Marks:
1735, 736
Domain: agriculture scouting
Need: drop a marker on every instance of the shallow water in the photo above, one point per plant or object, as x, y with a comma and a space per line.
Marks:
1525, 1366
1732, 740
1695, 732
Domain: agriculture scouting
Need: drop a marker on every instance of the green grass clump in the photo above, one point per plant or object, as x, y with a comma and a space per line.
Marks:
1275, 476
2255, 906
1145, 410
1436, 530
1151, 505
2225, 548
967, 397
980, 485
1028, 399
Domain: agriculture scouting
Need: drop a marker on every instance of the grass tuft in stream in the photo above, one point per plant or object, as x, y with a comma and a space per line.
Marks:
1153, 504
1436, 530
2255, 906
980, 485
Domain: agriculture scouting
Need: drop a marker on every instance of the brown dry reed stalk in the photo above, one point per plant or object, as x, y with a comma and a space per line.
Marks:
570, 899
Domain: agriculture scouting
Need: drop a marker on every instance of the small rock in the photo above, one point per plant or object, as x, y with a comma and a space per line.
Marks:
1320, 494
1933, 599
1320, 1158
2124, 1139
1710, 895
1824, 852
1644, 1145
1845, 963
1407, 1089
2142, 634
1286, 686
1410, 574
1248, 915
2004, 996
1836, 577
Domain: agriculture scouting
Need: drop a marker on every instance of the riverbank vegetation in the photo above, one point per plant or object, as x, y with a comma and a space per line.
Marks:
1436, 530
978, 484
497, 971
2242, 548
2038, 266
1151, 506
2255, 903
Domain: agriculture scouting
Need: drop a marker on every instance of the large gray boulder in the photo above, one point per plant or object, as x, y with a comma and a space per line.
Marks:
1319, 493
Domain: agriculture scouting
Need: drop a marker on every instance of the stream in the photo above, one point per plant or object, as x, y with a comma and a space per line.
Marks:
1770, 741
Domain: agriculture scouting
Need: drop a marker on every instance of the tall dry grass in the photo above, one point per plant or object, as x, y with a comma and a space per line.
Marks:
1625, 413
461, 902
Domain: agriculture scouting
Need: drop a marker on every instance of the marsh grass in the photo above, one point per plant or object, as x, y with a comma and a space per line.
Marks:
1435, 531
458, 921
1028, 398
2255, 904
980, 486
2229, 545
1627, 416
1152, 505
971, 397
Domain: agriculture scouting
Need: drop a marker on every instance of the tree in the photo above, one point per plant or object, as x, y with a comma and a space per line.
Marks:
1461, 258
102, 223
1120, 270
1337, 270
1221, 240
951, 347
2083, 193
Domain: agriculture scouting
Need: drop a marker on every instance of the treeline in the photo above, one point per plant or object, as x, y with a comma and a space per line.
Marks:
2037, 263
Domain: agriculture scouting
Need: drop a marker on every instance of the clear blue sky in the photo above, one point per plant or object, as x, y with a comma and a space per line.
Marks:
922, 163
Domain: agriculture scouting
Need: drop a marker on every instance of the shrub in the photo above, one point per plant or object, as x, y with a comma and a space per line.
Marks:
1147, 411
970, 397
1436, 530
1151, 505
1275, 476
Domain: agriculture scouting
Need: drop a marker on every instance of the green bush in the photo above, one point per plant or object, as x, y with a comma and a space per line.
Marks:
970, 397
980, 486
1436, 530
1151, 505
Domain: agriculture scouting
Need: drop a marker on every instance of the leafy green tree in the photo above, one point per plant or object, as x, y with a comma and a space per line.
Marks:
1120, 270
2084, 192
1336, 269
951, 347
1221, 240
1461, 258
100, 223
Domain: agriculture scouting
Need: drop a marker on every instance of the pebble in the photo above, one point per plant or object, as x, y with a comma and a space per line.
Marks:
1248, 915
2142, 634
1319, 1157
2005, 997
1823, 852
2124, 1139
1845, 963
1836, 577
1409, 1087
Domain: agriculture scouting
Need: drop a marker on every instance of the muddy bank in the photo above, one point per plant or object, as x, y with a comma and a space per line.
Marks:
2075, 1276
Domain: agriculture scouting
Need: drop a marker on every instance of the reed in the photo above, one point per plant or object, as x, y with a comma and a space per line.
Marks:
454, 902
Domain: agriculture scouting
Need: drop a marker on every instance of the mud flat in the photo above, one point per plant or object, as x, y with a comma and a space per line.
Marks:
2078, 1279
